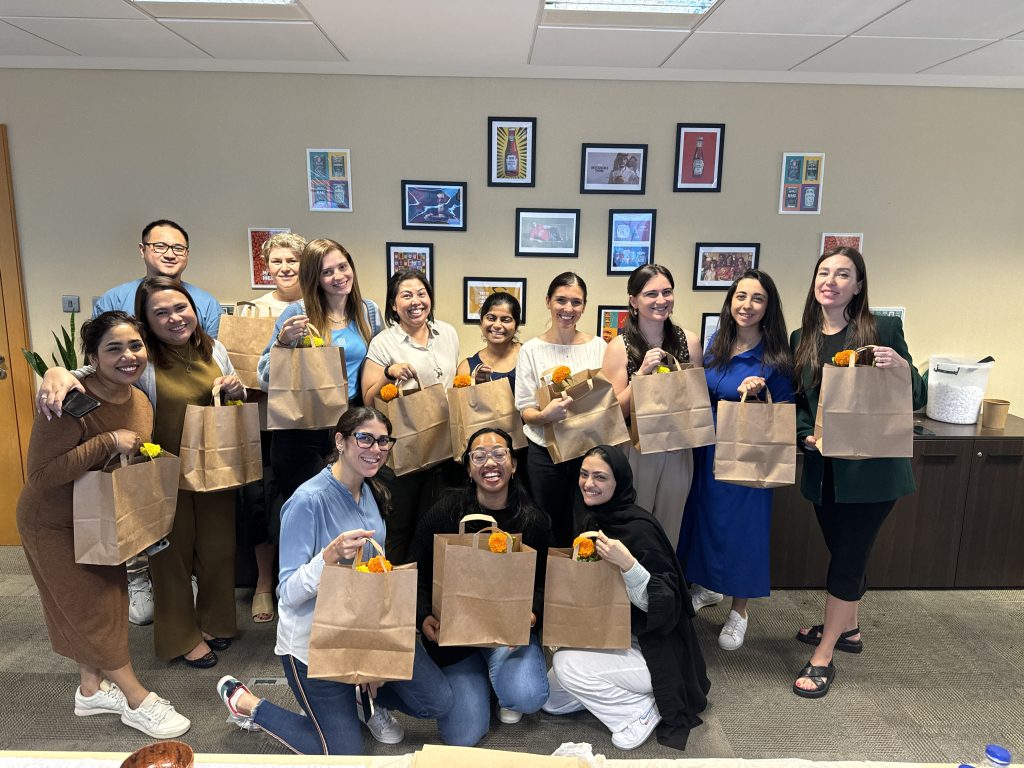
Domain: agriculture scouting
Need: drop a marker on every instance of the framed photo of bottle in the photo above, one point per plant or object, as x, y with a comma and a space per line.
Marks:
434, 205
630, 240
548, 232
716, 265
613, 169
511, 149
700, 150
402, 256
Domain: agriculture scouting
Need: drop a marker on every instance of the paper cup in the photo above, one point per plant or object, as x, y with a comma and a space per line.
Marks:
994, 412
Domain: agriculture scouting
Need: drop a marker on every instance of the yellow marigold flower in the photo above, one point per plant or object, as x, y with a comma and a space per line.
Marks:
152, 450
585, 544
662, 369
388, 392
498, 542
560, 374
363, 568
842, 358
463, 381
233, 402
379, 564
309, 340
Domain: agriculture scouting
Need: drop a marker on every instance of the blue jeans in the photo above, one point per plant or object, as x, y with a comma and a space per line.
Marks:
330, 725
518, 676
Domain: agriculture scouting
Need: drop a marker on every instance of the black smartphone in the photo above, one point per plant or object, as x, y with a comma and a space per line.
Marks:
364, 703
78, 403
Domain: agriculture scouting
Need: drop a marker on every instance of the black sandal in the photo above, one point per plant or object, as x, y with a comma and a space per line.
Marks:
813, 637
822, 678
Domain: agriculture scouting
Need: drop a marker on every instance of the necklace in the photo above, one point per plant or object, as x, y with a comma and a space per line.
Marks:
342, 321
188, 362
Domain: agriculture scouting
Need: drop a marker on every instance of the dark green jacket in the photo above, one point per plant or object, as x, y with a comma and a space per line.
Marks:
863, 480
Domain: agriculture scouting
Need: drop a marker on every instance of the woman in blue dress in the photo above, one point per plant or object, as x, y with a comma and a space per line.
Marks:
727, 528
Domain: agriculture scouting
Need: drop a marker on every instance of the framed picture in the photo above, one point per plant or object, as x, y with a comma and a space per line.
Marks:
716, 265
708, 327
434, 205
329, 180
475, 291
630, 240
700, 149
800, 186
411, 256
900, 312
610, 321
830, 240
259, 275
619, 169
511, 149
227, 309
547, 231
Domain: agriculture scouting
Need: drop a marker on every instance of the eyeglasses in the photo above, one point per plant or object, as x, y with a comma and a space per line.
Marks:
480, 455
366, 440
162, 248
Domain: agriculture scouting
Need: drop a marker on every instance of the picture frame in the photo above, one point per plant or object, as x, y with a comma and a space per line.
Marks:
900, 312
831, 240
700, 152
329, 180
610, 320
410, 256
511, 163
434, 205
630, 239
716, 265
548, 232
259, 275
476, 289
613, 169
801, 182
708, 327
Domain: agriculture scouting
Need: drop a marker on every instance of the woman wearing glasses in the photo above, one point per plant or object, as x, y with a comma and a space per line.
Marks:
328, 520
518, 675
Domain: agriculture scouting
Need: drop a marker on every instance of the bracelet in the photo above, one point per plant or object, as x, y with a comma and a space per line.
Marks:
387, 375
279, 342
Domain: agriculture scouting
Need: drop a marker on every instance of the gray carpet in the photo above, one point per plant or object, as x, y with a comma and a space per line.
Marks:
941, 675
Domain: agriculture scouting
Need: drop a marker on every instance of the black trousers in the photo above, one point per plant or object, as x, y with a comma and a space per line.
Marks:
411, 496
298, 454
554, 488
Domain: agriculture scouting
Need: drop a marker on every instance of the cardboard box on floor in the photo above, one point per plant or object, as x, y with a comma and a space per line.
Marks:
436, 756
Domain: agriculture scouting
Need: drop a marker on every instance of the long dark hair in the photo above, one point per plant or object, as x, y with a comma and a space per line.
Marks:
200, 340
527, 513
349, 422
777, 354
94, 330
390, 314
674, 340
313, 296
861, 330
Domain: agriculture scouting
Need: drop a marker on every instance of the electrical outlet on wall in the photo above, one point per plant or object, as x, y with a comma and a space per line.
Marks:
70, 304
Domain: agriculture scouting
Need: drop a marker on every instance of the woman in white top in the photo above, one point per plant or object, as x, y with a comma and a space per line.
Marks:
553, 485
282, 252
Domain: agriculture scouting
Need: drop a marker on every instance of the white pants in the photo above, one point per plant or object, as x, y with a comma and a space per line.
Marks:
662, 481
614, 685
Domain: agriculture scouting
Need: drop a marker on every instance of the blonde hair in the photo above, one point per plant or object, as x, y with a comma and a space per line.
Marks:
294, 243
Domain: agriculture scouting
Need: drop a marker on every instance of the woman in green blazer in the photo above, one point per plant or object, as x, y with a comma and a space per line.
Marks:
851, 498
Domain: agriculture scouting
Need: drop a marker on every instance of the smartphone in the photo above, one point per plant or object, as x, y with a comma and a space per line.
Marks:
157, 546
364, 703
78, 403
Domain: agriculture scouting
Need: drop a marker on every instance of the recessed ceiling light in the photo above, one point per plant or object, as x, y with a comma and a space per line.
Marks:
631, 6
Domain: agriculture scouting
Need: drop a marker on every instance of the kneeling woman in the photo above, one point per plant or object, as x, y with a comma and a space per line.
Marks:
660, 682
328, 520
518, 675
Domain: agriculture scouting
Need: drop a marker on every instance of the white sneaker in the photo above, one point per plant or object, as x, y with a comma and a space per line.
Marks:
230, 689
140, 598
638, 731
384, 728
108, 700
732, 634
156, 717
702, 598
509, 716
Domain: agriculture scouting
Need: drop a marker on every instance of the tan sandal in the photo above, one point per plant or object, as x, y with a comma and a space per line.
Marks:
263, 606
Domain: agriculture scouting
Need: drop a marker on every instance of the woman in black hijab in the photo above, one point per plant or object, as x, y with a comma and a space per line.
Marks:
619, 687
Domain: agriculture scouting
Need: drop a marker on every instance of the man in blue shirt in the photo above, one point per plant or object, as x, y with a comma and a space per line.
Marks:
164, 249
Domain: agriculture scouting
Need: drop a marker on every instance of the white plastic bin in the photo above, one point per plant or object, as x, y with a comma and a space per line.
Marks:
956, 387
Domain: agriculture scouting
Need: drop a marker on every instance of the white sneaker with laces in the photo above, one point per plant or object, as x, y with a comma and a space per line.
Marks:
703, 598
384, 728
732, 634
638, 731
140, 598
509, 716
156, 717
108, 700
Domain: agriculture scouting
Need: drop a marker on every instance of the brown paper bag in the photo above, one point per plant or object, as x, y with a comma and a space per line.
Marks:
864, 412
118, 514
364, 624
594, 417
585, 603
439, 756
419, 420
308, 387
490, 404
670, 411
482, 598
756, 443
245, 335
220, 446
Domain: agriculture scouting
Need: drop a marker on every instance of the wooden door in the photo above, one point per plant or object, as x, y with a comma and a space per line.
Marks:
16, 379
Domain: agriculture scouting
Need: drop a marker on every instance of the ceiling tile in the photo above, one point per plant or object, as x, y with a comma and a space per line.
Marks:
586, 47
1005, 58
263, 40
71, 9
979, 20
724, 50
886, 54
111, 37
795, 17
16, 42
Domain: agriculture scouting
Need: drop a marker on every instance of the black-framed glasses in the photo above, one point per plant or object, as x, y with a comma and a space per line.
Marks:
479, 456
162, 248
366, 440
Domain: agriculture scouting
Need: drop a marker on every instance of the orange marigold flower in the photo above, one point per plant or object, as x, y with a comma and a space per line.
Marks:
463, 381
378, 564
842, 358
388, 392
560, 374
498, 542
585, 544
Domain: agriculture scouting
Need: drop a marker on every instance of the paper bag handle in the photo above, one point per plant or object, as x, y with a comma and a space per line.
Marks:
853, 357
111, 457
312, 329
475, 517
587, 535
472, 375
509, 538
589, 385
672, 359
358, 559
418, 388
245, 308
767, 395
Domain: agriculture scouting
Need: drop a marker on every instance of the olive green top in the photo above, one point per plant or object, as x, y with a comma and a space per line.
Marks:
176, 389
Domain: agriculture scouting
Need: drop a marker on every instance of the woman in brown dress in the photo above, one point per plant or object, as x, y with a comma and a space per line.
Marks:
86, 606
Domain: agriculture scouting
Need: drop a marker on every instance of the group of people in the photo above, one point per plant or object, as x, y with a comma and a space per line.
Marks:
681, 539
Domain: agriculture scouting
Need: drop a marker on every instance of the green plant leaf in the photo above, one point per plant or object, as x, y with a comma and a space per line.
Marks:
35, 362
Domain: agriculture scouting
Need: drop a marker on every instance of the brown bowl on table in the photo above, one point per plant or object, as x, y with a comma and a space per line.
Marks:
162, 754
